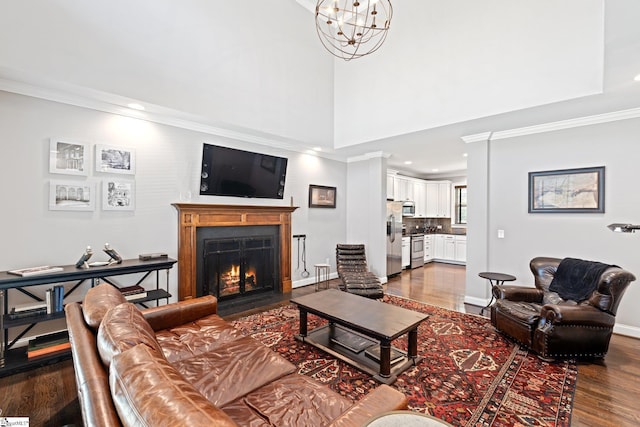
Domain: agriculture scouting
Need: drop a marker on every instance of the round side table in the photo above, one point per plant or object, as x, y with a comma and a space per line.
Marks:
499, 279
406, 419
322, 275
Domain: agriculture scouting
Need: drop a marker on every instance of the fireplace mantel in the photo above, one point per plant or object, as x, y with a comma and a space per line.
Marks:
194, 215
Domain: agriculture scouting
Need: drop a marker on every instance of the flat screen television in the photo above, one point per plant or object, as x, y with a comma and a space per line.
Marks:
231, 172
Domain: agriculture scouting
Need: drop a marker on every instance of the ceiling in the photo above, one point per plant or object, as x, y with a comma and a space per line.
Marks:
434, 146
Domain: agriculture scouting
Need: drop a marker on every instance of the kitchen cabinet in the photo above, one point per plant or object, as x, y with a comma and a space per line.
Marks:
449, 248
420, 198
428, 248
406, 252
402, 189
461, 248
390, 187
438, 198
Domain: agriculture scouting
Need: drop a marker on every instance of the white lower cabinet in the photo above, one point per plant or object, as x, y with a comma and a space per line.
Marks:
428, 248
449, 248
406, 252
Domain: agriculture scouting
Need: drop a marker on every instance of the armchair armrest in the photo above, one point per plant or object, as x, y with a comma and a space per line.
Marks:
583, 315
181, 312
382, 399
517, 293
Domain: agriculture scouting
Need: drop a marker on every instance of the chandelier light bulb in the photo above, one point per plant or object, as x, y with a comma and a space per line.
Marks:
351, 29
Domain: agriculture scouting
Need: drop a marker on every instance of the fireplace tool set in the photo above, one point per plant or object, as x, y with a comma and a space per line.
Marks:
302, 237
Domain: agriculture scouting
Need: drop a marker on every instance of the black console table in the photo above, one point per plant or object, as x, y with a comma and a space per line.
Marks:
15, 359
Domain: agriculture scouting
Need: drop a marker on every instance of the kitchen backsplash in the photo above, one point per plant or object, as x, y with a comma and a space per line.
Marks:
430, 225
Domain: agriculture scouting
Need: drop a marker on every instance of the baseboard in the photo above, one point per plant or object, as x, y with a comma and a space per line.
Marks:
629, 331
480, 302
311, 280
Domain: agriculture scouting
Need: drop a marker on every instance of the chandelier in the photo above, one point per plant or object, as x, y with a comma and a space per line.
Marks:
350, 28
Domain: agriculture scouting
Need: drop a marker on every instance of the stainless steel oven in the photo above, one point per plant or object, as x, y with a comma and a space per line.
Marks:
417, 250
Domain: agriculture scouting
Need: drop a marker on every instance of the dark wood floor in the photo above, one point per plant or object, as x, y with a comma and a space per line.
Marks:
607, 392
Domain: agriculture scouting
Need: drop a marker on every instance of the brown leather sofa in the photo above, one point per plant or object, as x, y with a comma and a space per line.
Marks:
553, 325
182, 365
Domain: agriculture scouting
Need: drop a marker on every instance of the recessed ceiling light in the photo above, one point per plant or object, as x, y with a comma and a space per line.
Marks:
408, 162
465, 154
135, 106
637, 78
435, 170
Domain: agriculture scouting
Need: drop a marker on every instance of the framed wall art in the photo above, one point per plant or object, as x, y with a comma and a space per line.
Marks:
118, 195
68, 157
322, 197
567, 191
72, 195
115, 160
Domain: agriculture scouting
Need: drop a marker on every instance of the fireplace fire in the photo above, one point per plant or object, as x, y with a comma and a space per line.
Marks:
238, 262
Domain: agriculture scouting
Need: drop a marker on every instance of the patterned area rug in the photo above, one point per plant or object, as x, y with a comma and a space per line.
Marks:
470, 375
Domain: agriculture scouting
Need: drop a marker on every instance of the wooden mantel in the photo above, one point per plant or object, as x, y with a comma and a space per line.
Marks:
193, 215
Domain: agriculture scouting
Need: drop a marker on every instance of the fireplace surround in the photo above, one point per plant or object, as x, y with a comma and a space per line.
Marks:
194, 216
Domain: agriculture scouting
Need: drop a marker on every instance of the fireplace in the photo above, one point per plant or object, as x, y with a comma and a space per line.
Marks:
237, 262
249, 224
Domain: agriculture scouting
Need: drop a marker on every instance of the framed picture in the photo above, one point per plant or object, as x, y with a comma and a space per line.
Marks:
322, 197
115, 160
118, 195
72, 195
68, 157
567, 191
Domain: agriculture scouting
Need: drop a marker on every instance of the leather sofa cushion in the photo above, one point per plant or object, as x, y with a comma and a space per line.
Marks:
148, 391
194, 338
296, 400
97, 301
233, 370
523, 312
122, 328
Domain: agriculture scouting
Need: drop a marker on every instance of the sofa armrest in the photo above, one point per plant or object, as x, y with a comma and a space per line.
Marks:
92, 380
382, 399
583, 315
517, 293
181, 312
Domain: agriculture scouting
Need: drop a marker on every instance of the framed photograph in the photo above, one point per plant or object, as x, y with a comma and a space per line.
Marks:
72, 195
115, 160
118, 195
567, 191
68, 157
322, 197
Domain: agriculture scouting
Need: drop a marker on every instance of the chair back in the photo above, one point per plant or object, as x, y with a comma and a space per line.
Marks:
351, 258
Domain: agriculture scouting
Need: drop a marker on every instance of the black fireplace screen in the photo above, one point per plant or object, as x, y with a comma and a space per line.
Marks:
237, 266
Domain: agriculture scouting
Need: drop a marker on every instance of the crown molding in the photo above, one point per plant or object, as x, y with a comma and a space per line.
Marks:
632, 113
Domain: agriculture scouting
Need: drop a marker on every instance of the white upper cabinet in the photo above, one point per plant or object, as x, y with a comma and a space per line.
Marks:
438, 199
390, 187
432, 198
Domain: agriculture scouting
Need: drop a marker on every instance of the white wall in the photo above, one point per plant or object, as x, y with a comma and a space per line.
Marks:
256, 65
613, 145
447, 62
168, 163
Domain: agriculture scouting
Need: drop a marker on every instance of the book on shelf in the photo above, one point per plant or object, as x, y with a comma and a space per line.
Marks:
130, 290
26, 313
34, 271
28, 307
48, 344
374, 353
133, 297
49, 349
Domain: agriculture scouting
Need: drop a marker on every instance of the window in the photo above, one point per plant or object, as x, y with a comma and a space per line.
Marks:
461, 204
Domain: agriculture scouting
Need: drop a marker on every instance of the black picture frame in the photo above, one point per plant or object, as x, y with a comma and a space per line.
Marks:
321, 196
567, 191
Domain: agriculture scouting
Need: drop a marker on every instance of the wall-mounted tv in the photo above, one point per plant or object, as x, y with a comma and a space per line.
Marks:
231, 172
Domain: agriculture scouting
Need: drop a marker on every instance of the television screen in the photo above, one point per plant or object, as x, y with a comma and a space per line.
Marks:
231, 172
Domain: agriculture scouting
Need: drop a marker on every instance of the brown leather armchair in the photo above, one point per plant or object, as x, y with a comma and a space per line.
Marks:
556, 327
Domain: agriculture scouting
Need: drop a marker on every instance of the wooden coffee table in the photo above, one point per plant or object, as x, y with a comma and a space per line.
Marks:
360, 331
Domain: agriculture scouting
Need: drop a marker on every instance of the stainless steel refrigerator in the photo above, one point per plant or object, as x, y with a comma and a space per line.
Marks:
394, 238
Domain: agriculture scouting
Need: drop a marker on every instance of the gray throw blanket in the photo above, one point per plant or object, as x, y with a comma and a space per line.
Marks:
576, 279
